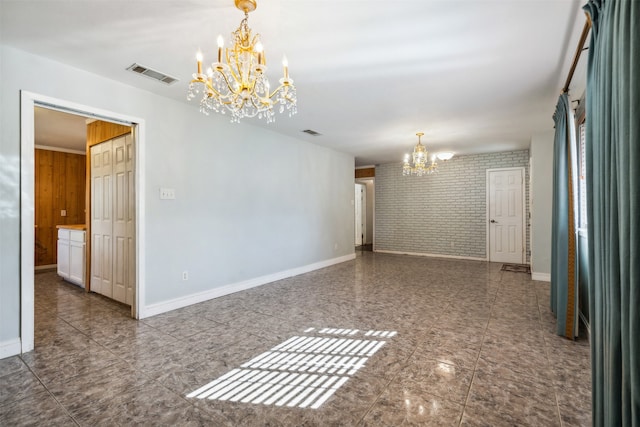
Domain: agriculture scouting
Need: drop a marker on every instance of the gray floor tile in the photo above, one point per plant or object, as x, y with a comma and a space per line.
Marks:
472, 346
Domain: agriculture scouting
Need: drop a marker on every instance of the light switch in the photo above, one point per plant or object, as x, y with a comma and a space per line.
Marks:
63, 212
167, 193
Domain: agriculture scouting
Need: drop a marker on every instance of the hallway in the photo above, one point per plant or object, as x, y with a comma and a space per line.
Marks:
463, 343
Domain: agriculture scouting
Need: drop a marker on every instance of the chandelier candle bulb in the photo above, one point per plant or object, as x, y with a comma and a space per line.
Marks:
285, 65
259, 49
220, 45
199, 59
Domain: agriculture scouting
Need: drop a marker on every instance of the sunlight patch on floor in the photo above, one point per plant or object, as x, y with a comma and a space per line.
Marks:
303, 371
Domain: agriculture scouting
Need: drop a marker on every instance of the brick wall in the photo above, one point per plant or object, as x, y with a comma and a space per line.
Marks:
444, 213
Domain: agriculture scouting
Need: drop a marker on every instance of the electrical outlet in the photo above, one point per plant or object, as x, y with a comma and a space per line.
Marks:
185, 275
63, 212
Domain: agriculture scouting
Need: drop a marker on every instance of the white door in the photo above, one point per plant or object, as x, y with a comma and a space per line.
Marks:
358, 195
130, 220
506, 215
101, 220
113, 219
363, 212
120, 214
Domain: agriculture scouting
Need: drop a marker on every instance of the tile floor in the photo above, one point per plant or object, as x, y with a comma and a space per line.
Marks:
474, 347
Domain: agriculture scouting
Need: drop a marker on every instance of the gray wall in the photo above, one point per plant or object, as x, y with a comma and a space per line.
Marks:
440, 214
541, 151
291, 207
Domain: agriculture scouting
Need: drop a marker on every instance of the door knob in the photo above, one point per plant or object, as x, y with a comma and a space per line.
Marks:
494, 221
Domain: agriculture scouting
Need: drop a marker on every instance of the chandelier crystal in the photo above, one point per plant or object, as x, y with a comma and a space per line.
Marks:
236, 83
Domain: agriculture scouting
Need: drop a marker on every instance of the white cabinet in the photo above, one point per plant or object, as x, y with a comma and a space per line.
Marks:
71, 255
63, 254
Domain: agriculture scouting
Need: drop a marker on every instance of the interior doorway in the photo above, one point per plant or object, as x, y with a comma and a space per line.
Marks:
367, 213
360, 217
60, 180
29, 102
505, 215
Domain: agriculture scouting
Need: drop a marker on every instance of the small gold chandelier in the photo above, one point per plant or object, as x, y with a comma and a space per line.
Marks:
420, 159
238, 85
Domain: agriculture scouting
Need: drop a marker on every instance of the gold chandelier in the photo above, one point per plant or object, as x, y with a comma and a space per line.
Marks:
239, 85
420, 159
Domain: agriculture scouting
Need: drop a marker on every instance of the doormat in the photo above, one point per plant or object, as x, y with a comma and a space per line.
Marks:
516, 268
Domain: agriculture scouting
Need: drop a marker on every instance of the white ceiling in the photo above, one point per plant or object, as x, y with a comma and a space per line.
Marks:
60, 130
474, 75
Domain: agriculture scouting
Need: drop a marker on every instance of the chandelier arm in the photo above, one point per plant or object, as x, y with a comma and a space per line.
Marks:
252, 86
242, 105
218, 95
208, 86
225, 103
263, 99
235, 110
261, 102
257, 107
278, 89
226, 80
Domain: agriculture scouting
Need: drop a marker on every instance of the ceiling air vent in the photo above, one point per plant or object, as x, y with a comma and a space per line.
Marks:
311, 132
151, 73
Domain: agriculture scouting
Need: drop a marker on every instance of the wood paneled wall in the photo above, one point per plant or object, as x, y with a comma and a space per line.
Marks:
59, 185
365, 173
98, 132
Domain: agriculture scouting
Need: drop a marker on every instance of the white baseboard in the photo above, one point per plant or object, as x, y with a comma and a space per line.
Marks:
163, 307
10, 348
541, 277
430, 255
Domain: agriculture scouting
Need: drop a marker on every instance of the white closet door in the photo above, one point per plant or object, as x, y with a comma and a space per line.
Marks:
113, 219
120, 202
101, 218
130, 223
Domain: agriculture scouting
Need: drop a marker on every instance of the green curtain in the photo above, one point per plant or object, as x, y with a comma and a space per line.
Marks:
563, 254
613, 187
